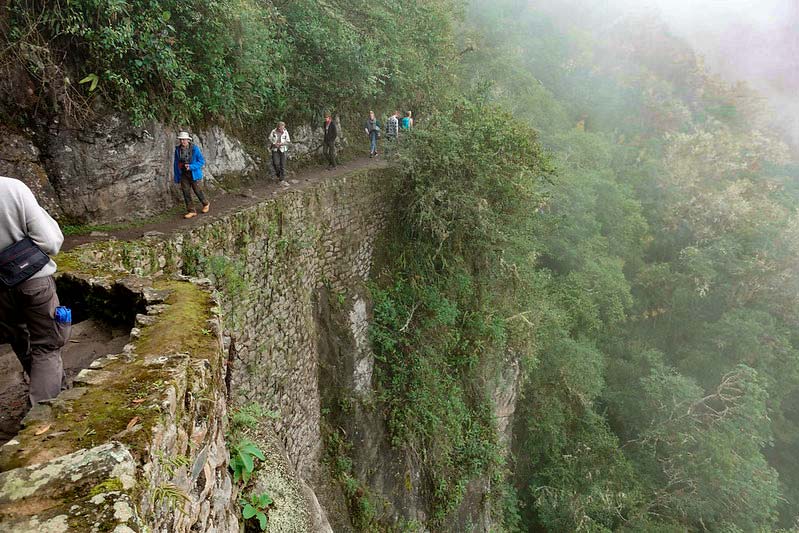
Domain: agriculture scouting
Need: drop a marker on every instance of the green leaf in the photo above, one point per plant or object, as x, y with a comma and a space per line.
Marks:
246, 460
91, 78
264, 500
252, 449
262, 521
165, 16
249, 511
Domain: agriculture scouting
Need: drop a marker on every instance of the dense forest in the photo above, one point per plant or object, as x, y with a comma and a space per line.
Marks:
581, 198
642, 266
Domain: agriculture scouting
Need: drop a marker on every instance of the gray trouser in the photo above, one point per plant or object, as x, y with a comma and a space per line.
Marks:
279, 163
27, 321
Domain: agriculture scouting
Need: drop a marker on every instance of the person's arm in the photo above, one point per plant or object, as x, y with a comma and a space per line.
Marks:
40, 226
198, 159
176, 166
287, 137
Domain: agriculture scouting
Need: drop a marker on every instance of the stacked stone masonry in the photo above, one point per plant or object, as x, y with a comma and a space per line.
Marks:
272, 266
270, 260
138, 444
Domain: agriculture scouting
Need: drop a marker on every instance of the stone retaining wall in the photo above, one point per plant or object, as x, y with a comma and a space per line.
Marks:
289, 275
269, 262
138, 444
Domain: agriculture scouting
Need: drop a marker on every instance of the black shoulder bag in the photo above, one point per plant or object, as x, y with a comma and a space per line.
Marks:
20, 261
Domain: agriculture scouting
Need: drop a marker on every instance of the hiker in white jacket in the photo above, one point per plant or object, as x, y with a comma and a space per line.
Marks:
28, 308
279, 141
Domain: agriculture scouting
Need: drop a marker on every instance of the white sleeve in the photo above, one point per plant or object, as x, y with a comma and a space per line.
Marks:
40, 226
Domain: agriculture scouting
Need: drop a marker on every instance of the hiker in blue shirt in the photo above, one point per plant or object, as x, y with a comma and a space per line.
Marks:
407, 121
188, 165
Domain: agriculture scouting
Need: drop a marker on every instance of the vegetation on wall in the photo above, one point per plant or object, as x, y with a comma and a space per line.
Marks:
441, 302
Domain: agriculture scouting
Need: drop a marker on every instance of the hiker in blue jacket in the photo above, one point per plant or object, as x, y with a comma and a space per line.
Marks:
188, 165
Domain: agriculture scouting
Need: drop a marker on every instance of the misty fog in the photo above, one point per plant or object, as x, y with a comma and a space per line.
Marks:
751, 40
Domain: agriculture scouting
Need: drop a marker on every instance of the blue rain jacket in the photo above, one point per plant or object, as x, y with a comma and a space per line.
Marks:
196, 164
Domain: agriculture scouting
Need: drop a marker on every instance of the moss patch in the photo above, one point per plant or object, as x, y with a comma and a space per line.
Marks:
183, 326
84, 229
110, 484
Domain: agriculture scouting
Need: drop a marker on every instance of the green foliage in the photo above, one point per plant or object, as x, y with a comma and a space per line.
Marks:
257, 506
230, 276
250, 416
170, 495
242, 459
217, 58
438, 324
232, 61
363, 511
173, 463
663, 376
705, 449
455, 193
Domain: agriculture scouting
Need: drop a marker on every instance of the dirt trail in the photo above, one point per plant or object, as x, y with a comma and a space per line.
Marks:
225, 202
89, 340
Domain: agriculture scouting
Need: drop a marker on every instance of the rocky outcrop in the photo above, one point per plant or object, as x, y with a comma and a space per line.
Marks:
21, 159
115, 171
87, 488
306, 140
112, 171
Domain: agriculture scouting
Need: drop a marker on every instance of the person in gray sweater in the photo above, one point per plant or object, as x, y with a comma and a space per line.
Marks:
27, 310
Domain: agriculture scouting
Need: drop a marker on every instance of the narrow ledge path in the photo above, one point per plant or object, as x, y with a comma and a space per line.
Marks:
223, 202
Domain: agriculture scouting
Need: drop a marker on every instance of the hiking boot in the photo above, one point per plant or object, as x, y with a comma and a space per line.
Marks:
190, 214
206, 207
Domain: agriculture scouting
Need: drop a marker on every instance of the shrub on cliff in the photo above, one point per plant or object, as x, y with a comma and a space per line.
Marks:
466, 191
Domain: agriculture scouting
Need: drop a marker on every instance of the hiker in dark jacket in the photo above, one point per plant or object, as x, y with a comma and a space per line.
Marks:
329, 145
28, 317
188, 166
372, 129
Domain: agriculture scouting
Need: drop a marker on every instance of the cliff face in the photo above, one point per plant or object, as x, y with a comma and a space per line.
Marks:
291, 275
113, 171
